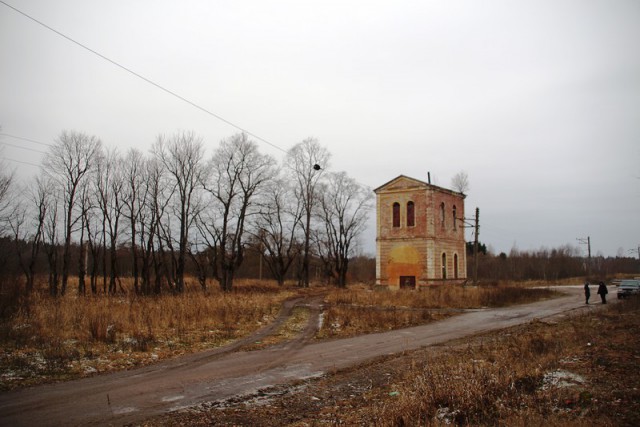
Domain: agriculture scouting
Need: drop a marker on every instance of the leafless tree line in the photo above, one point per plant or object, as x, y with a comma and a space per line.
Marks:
178, 204
546, 264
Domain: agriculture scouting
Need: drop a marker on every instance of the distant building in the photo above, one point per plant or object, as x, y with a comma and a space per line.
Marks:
420, 234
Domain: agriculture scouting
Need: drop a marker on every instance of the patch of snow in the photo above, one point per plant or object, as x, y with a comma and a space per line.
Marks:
446, 415
130, 341
21, 326
561, 378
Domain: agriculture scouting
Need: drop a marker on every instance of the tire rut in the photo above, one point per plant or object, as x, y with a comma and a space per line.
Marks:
314, 303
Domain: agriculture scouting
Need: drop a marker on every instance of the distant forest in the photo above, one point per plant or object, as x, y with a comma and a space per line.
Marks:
547, 264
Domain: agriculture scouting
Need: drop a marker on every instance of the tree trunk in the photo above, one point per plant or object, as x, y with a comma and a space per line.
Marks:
134, 256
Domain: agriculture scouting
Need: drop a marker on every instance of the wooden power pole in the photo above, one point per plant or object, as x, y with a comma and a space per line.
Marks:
587, 242
475, 247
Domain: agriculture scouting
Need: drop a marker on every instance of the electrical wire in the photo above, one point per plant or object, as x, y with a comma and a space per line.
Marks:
141, 77
20, 161
26, 139
22, 147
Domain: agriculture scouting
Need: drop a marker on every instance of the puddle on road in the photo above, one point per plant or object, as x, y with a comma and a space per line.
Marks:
125, 410
172, 398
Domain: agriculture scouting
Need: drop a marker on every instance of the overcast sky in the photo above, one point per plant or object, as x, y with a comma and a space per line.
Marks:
538, 101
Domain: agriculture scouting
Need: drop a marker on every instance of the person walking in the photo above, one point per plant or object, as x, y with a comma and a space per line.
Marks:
587, 292
602, 291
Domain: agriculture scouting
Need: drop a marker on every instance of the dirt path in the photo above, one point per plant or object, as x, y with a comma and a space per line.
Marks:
132, 396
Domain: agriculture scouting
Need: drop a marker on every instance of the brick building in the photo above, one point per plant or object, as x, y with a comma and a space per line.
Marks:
420, 237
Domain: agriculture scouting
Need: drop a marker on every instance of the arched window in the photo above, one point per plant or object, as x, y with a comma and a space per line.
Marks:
455, 266
442, 214
444, 265
396, 214
411, 216
455, 222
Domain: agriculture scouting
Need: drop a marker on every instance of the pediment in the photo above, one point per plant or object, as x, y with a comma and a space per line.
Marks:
402, 182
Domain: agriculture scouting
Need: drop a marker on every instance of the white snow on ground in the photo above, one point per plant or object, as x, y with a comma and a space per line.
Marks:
561, 378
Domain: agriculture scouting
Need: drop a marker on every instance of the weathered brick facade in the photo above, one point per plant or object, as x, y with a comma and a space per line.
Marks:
418, 241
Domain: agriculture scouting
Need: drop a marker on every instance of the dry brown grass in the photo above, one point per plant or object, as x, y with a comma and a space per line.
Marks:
48, 339
70, 336
511, 378
445, 296
570, 371
359, 309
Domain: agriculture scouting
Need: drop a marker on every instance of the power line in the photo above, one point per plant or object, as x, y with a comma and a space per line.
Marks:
22, 147
25, 139
20, 161
141, 77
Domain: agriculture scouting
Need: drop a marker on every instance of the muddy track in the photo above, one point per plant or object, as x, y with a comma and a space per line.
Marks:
215, 375
314, 304
50, 400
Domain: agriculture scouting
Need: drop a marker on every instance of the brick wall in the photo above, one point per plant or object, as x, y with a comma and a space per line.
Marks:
416, 251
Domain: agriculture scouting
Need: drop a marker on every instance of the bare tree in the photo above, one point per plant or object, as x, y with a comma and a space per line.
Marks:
6, 185
93, 228
28, 229
460, 182
182, 157
70, 159
238, 173
133, 199
343, 209
306, 161
109, 190
157, 193
51, 238
85, 206
276, 227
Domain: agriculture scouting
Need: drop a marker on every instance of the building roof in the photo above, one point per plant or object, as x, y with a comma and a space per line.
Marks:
416, 183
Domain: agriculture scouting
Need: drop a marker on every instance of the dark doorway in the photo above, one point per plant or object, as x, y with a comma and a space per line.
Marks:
407, 282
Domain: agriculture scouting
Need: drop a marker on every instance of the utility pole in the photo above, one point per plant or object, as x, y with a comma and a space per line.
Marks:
261, 251
587, 241
634, 252
476, 226
475, 248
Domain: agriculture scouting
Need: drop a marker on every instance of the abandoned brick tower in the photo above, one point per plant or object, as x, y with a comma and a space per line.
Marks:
420, 234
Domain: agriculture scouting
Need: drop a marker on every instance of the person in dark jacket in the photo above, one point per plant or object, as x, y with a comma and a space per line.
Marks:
587, 292
602, 291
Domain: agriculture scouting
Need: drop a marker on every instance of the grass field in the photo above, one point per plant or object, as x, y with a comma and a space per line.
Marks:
580, 371
48, 339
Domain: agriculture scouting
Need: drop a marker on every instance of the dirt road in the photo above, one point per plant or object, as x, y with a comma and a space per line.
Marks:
132, 396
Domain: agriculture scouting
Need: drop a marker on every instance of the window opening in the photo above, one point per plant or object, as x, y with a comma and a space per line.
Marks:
455, 222
455, 266
396, 214
411, 218
444, 266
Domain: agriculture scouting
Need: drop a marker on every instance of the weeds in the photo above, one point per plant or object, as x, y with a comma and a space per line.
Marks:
532, 375
72, 335
360, 310
49, 338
